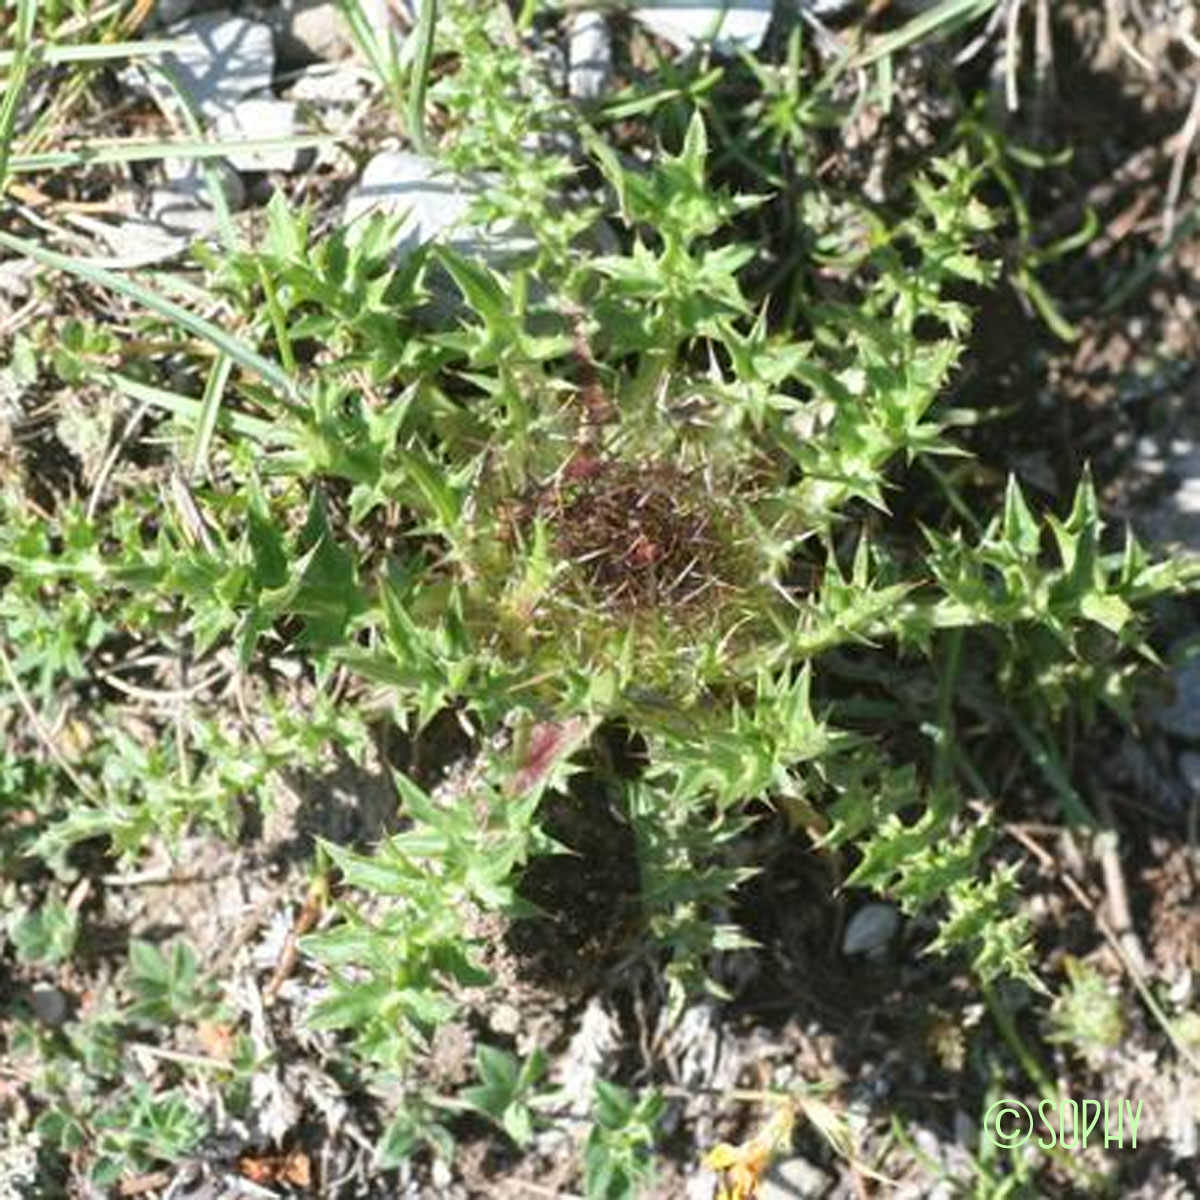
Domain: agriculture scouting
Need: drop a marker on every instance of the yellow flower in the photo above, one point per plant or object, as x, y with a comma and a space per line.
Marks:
742, 1167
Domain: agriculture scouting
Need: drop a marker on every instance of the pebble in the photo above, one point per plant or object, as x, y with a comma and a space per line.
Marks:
50, 1005
741, 24
1181, 718
16, 277
310, 30
1182, 987
792, 1179
870, 930
1176, 517
254, 119
330, 85
184, 206
221, 59
167, 12
589, 51
504, 1019
1189, 768
435, 202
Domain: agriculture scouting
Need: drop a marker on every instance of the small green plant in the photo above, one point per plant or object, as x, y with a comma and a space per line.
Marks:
507, 1090
166, 985
46, 934
618, 1155
146, 1127
1087, 1013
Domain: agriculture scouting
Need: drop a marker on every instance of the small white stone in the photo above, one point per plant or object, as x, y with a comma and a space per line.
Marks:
220, 59
188, 177
185, 205
308, 30
589, 50
870, 930
505, 1019
792, 1177
928, 1143
135, 242
322, 84
727, 26
257, 119
16, 277
436, 203
1181, 988
1148, 450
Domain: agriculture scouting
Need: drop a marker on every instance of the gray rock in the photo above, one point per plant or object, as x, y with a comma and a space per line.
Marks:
184, 207
1182, 716
589, 50
436, 203
504, 1019
221, 59
132, 241
179, 215
1182, 988
166, 12
1176, 519
741, 23
1189, 768
188, 175
793, 1179
310, 30
169, 12
50, 1005
329, 85
16, 277
253, 119
870, 930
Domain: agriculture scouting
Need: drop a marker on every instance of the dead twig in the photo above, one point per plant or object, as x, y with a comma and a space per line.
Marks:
43, 734
1012, 52
1114, 885
165, 695
307, 918
1110, 935
1183, 145
110, 460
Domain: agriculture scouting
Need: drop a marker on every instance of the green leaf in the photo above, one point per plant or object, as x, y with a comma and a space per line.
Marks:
1020, 528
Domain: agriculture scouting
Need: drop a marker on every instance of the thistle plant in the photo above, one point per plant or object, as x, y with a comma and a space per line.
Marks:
622, 488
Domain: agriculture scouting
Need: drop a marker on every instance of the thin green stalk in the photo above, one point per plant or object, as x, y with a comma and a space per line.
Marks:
207, 331
15, 85
943, 768
210, 409
1029, 1061
98, 52
278, 319
419, 82
127, 151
